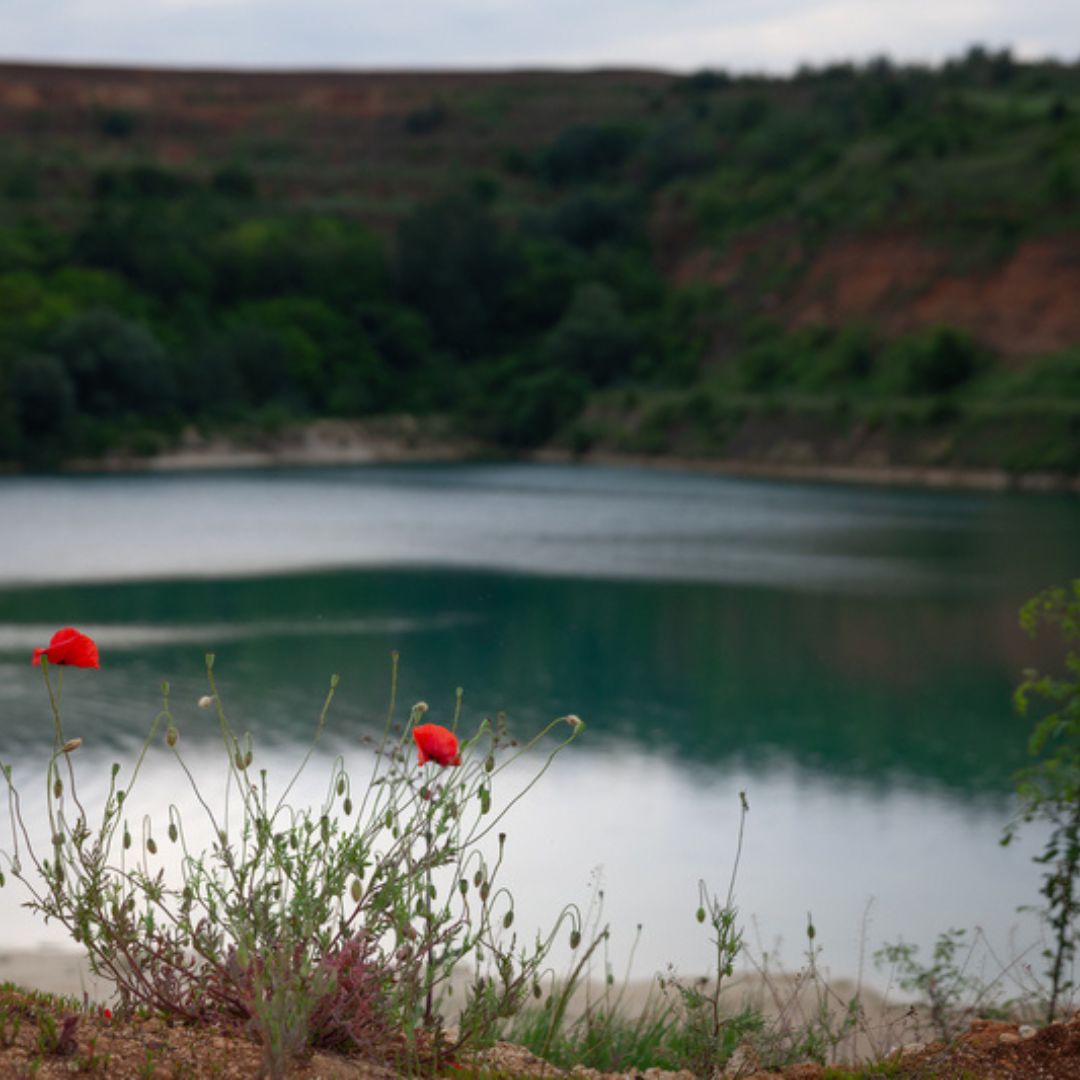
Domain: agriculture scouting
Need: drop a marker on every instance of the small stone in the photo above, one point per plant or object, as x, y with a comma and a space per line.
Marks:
1025, 1031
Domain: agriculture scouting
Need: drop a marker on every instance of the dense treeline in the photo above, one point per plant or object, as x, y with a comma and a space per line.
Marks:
532, 297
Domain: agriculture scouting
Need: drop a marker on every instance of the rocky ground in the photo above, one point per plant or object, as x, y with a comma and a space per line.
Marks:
41, 1038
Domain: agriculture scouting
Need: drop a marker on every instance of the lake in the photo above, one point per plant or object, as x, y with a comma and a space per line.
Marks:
844, 655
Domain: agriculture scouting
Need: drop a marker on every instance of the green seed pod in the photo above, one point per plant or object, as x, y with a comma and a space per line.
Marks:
508, 920
485, 891
700, 915
536, 991
355, 891
57, 788
151, 845
173, 831
347, 806
463, 885
478, 878
324, 829
575, 938
3, 880
120, 798
127, 838
248, 759
171, 735
388, 821
485, 800
341, 786
489, 763
238, 759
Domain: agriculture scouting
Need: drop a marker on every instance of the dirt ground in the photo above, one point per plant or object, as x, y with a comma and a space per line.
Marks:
38, 1041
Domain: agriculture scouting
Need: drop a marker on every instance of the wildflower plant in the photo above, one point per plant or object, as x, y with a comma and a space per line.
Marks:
337, 925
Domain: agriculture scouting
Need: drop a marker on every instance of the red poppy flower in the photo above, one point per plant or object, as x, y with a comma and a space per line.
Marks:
436, 743
68, 646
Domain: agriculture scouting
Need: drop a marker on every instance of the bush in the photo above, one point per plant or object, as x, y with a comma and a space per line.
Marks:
588, 153
1049, 788
335, 925
594, 339
933, 362
116, 365
42, 398
525, 410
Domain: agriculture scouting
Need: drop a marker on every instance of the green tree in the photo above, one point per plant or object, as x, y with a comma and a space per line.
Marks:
117, 365
454, 266
594, 339
42, 397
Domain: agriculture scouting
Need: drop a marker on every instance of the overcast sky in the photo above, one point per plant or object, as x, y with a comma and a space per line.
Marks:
740, 35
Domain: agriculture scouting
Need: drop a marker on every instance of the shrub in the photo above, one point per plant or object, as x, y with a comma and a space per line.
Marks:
594, 339
336, 925
1049, 788
588, 153
934, 362
116, 364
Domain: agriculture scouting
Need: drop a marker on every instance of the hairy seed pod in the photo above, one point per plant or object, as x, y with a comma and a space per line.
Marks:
575, 938
57, 788
489, 763
485, 891
173, 831
127, 839
700, 915
341, 786
355, 891
463, 885
478, 878
508, 920
151, 845
485, 800
347, 806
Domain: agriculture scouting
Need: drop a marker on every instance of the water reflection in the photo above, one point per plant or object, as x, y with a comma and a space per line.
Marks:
846, 656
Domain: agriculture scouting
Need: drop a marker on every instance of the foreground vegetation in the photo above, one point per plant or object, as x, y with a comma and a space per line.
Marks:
339, 928
601, 261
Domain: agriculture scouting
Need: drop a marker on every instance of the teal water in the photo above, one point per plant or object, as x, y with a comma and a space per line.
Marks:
845, 655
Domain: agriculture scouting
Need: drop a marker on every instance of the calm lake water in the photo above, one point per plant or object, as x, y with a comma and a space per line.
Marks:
845, 656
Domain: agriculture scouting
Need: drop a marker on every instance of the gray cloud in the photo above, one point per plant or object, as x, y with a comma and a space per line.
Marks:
774, 35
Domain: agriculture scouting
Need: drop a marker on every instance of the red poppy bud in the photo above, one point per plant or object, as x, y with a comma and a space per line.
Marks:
436, 743
68, 646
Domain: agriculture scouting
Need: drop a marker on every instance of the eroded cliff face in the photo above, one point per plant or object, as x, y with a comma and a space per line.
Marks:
1022, 302
1027, 304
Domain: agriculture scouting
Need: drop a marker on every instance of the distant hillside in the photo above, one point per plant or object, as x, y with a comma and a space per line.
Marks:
873, 266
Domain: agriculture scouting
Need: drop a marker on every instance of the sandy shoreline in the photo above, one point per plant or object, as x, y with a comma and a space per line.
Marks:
324, 443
